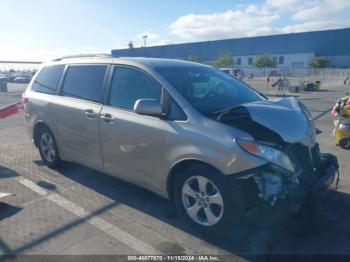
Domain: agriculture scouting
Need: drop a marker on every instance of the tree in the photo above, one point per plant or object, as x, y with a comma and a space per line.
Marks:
225, 59
319, 63
193, 58
264, 60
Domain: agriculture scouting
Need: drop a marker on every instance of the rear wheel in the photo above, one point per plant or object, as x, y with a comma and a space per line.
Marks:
48, 148
210, 202
345, 143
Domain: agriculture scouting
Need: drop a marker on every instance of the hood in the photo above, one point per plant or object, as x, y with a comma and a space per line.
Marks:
275, 119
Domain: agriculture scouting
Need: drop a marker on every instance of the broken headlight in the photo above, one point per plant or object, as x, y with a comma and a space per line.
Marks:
268, 153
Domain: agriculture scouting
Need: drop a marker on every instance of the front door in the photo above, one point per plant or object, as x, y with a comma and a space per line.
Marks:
133, 145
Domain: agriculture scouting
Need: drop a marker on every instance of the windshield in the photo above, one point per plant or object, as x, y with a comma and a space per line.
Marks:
208, 89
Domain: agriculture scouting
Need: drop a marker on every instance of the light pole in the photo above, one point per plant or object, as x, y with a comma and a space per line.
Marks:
144, 40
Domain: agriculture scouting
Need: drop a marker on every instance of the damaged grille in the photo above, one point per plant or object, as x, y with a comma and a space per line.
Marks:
300, 156
307, 162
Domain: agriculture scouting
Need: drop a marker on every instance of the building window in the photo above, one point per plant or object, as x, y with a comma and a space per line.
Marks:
281, 60
239, 61
274, 59
250, 60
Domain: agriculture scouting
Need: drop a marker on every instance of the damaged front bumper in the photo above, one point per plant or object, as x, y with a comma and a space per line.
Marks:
270, 188
330, 172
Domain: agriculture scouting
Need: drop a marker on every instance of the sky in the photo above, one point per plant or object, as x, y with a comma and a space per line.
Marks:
39, 30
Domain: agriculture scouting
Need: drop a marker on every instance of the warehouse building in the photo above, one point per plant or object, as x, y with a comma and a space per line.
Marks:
288, 50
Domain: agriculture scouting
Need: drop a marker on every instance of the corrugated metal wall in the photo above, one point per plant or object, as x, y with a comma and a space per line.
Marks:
322, 43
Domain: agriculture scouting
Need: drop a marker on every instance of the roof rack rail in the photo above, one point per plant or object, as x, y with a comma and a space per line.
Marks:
81, 56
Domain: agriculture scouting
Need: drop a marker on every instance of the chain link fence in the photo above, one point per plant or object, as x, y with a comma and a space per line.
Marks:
272, 81
284, 81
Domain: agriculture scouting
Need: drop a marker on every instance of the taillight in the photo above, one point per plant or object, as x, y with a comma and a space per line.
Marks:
24, 99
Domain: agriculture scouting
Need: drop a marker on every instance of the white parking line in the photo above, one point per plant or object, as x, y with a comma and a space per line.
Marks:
31, 185
95, 221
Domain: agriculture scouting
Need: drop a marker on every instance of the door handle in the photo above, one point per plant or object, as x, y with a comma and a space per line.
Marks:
108, 118
89, 113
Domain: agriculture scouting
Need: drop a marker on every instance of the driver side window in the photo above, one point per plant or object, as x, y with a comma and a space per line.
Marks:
129, 85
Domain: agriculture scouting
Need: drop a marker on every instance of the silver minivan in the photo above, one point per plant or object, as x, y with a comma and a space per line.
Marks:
186, 131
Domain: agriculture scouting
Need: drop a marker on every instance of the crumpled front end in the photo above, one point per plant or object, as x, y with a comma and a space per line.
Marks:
286, 126
272, 186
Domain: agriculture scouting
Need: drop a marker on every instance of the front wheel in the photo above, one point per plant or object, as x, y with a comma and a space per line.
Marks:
210, 202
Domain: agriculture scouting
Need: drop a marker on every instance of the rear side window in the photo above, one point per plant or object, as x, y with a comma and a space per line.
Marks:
48, 78
129, 85
85, 82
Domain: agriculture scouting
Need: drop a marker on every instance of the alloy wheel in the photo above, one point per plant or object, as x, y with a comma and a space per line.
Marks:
202, 200
47, 146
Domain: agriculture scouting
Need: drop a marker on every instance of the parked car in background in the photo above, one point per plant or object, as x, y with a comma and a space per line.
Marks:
11, 77
3, 78
228, 71
183, 130
235, 72
24, 78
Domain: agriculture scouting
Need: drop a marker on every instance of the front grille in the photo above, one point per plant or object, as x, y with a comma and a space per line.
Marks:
300, 157
306, 162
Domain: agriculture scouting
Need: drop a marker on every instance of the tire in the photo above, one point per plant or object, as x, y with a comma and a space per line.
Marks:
213, 215
48, 148
345, 143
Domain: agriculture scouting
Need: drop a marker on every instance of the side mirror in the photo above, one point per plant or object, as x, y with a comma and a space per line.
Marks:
150, 107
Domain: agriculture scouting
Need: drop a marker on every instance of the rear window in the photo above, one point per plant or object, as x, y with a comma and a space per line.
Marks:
85, 82
48, 78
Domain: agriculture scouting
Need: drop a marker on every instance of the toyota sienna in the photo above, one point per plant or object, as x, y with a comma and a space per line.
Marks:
186, 131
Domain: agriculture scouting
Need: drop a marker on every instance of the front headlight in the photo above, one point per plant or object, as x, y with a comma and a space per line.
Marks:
270, 154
